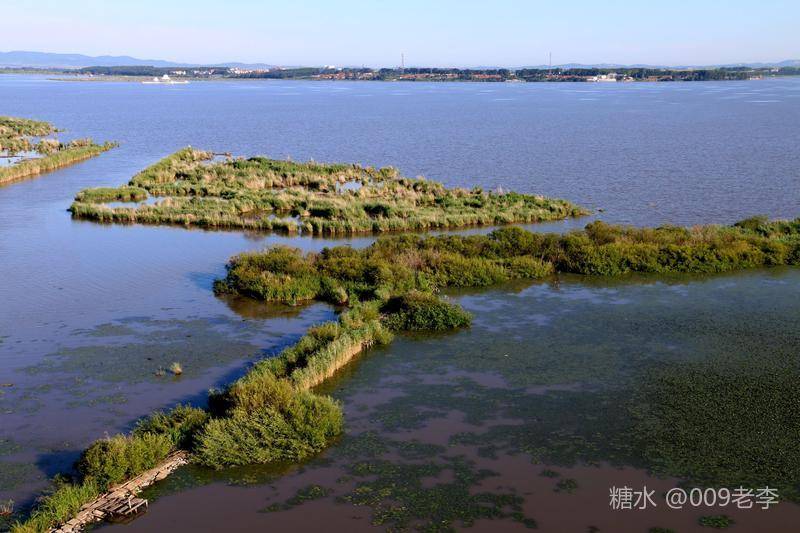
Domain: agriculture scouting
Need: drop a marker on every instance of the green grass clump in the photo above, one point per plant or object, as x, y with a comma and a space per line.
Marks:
115, 459
279, 274
321, 199
179, 425
290, 430
13, 127
417, 311
112, 194
58, 506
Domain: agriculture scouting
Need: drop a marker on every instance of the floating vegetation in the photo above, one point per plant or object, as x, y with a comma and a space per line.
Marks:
315, 198
747, 410
716, 521
399, 498
306, 494
567, 485
19, 135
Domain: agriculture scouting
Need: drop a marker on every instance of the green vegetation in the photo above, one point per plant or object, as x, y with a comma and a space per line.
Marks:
18, 135
716, 521
111, 194
179, 425
306, 494
314, 198
747, 411
450, 74
399, 496
418, 311
116, 459
567, 485
58, 506
393, 266
269, 421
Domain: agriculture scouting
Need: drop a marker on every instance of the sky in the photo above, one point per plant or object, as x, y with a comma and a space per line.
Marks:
431, 33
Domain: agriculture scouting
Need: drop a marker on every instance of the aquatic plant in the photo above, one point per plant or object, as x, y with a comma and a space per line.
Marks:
17, 135
730, 422
395, 265
270, 414
179, 424
318, 198
419, 311
112, 194
176, 368
716, 521
57, 506
567, 485
400, 498
303, 495
111, 460
291, 430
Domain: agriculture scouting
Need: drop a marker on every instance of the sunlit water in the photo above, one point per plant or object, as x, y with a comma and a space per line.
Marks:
90, 313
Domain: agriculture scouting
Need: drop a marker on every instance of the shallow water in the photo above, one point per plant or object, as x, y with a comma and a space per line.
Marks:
90, 313
536, 386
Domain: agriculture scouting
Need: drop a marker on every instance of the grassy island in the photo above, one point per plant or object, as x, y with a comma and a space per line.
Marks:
273, 414
25, 140
311, 198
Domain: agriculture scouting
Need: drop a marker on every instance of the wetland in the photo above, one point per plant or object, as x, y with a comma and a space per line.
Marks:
530, 411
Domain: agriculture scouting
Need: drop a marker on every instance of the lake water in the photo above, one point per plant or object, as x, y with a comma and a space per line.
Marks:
89, 313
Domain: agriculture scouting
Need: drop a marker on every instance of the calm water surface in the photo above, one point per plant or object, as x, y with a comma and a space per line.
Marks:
90, 313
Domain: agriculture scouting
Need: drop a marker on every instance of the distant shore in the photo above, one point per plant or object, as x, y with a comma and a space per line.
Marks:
495, 75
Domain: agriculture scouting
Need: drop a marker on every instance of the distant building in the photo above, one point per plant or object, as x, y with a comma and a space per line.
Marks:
611, 76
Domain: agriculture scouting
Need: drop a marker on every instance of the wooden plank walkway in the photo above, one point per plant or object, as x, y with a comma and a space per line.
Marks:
121, 501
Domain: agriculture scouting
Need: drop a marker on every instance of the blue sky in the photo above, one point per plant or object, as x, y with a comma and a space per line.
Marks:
433, 32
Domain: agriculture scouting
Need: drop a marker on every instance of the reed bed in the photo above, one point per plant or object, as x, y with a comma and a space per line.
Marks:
315, 198
19, 135
394, 265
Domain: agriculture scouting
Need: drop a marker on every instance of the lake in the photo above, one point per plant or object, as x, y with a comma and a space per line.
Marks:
89, 313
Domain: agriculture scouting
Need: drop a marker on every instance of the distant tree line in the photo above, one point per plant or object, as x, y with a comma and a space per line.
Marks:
450, 74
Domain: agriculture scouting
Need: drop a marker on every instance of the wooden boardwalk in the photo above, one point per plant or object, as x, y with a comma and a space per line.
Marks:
121, 501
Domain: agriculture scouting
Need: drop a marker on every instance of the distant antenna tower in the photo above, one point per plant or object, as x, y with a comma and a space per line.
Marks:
550, 65
402, 61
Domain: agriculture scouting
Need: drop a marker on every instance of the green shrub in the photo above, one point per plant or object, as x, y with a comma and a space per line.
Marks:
180, 425
115, 459
417, 311
58, 506
292, 430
